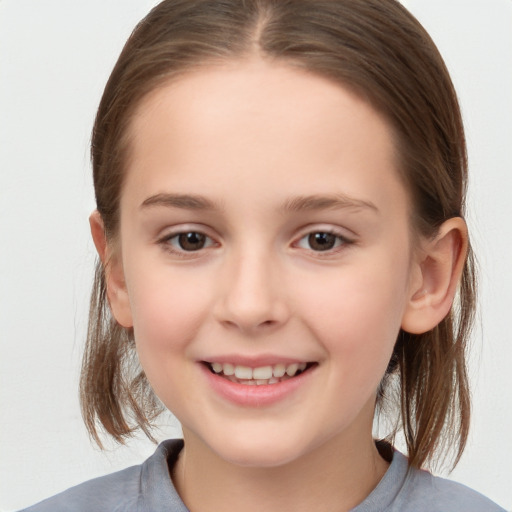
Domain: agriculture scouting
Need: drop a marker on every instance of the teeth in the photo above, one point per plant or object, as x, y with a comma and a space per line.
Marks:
263, 372
260, 375
291, 369
217, 367
228, 369
243, 372
279, 370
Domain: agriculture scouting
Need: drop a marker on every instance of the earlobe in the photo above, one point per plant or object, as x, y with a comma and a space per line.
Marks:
437, 272
117, 293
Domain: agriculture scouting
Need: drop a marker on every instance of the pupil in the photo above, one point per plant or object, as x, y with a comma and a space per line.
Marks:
321, 241
191, 241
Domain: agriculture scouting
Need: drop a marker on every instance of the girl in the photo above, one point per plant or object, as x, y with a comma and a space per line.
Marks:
280, 192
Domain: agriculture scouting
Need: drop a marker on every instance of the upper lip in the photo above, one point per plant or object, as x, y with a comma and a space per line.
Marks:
254, 361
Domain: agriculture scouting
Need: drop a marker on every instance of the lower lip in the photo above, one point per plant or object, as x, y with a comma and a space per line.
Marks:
254, 396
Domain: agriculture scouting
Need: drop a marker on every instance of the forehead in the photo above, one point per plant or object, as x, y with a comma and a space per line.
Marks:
252, 121
252, 89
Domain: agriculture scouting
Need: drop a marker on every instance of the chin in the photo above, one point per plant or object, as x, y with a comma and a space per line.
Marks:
257, 458
259, 451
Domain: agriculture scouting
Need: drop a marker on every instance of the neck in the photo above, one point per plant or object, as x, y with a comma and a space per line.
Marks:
335, 476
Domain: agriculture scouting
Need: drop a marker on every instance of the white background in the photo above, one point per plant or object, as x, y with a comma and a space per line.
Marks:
55, 57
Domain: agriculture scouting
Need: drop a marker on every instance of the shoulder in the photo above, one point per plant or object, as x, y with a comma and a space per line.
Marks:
128, 490
116, 492
422, 491
447, 496
405, 489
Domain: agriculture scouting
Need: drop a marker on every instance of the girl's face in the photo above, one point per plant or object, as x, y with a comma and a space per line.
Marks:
264, 230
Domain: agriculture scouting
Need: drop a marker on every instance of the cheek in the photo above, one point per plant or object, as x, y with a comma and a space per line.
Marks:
357, 313
167, 311
167, 314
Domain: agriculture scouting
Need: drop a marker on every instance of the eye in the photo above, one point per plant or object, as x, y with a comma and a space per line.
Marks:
189, 241
321, 241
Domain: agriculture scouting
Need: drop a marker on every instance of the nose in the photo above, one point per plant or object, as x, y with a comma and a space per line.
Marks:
253, 297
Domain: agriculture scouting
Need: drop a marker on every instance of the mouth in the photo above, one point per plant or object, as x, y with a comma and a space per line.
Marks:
259, 376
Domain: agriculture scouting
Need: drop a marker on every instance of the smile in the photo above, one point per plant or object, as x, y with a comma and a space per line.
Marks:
259, 376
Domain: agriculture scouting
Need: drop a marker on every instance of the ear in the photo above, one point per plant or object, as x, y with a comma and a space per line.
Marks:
117, 293
436, 274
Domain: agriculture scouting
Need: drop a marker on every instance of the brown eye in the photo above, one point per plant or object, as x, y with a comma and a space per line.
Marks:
189, 241
321, 241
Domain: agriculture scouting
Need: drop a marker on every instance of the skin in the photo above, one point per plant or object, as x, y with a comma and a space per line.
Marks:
250, 138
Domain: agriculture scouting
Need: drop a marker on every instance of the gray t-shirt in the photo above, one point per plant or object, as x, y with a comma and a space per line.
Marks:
149, 488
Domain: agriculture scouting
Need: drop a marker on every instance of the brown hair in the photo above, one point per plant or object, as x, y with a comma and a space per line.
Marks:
378, 49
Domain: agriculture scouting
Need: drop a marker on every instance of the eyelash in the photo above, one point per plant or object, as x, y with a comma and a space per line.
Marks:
340, 242
167, 243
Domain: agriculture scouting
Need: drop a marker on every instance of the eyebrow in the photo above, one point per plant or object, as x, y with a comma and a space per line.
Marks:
185, 201
295, 204
327, 202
